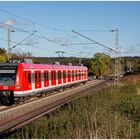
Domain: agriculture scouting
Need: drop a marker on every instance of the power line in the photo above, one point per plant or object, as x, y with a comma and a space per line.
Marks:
24, 31
23, 40
42, 37
95, 30
53, 41
94, 41
31, 43
33, 22
5, 40
80, 44
6, 25
39, 36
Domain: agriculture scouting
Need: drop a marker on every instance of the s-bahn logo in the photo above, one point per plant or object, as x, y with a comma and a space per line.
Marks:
5, 87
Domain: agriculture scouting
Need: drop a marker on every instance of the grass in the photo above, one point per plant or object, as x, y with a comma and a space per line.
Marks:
113, 112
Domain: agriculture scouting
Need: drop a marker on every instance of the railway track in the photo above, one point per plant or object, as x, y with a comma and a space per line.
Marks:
21, 115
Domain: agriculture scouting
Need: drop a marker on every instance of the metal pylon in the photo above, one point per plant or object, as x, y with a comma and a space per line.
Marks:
117, 57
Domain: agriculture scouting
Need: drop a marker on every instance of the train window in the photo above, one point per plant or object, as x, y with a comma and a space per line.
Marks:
76, 74
53, 75
8, 74
85, 73
59, 75
29, 77
36, 77
39, 77
68, 74
72, 73
80, 74
64, 74
45, 76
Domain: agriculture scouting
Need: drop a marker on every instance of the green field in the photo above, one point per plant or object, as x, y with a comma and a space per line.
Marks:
113, 112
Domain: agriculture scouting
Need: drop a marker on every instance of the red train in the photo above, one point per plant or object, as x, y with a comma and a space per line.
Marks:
23, 79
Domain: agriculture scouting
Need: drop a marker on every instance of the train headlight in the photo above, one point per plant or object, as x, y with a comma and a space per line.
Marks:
17, 86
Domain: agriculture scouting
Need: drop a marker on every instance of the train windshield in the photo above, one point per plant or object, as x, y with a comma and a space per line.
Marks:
7, 75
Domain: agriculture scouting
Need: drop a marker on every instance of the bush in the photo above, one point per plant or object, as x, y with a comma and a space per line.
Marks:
129, 106
112, 112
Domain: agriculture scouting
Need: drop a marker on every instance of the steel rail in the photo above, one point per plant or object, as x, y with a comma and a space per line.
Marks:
24, 119
38, 98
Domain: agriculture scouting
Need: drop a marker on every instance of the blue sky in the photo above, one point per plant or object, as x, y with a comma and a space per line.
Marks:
74, 15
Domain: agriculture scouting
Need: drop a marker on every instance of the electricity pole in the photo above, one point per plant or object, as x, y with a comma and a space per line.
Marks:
9, 44
116, 56
60, 52
116, 50
10, 47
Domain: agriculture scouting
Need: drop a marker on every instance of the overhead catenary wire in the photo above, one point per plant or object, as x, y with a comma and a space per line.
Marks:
94, 41
51, 28
33, 22
41, 25
50, 40
39, 36
95, 30
23, 40
80, 44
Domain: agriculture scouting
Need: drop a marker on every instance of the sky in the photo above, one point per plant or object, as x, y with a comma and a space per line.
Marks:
92, 19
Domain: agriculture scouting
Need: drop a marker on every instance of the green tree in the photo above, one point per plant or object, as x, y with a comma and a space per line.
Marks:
3, 55
100, 64
2, 58
2, 51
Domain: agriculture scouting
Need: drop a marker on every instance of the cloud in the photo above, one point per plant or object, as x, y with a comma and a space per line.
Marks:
10, 22
7, 23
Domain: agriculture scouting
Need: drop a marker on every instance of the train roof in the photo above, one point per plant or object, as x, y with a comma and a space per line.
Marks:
49, 66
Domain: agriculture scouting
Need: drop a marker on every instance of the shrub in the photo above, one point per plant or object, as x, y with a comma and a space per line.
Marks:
112, 112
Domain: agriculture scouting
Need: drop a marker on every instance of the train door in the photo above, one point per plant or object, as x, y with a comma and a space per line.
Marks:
69, 76
27, 80
76, 75
82, 74
79, 74
64, 76
37, 79
72, 75
86, 74
46, 79
53, 77
59, 77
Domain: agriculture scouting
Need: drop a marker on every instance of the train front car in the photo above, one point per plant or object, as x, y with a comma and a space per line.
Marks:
7, 82
21, 80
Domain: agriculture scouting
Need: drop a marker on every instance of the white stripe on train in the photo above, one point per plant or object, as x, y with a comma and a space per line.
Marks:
32, 92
